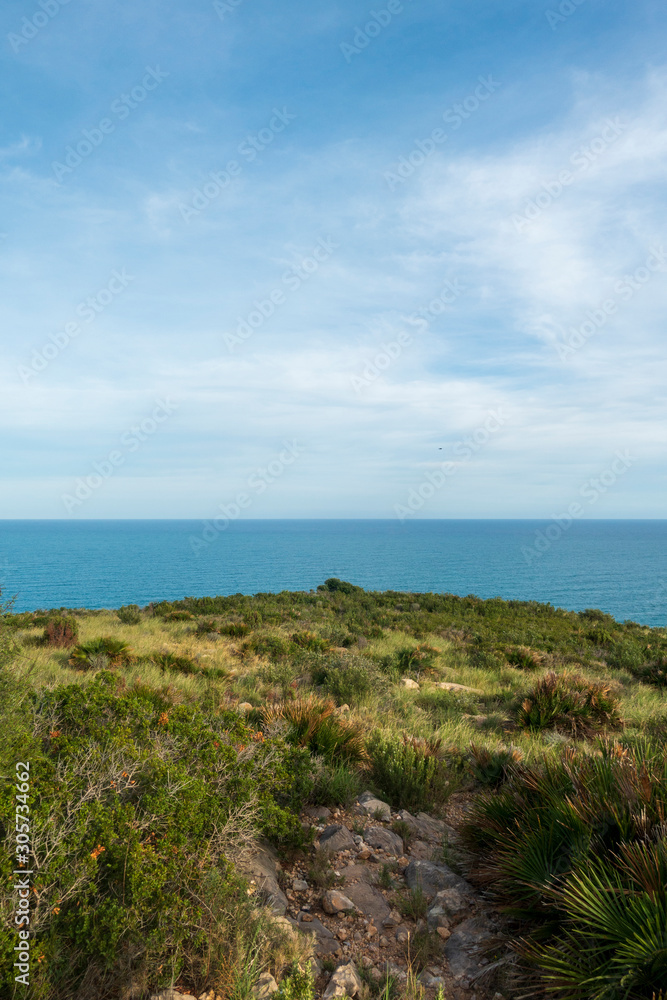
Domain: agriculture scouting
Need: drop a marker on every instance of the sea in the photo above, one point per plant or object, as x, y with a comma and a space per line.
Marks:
617, 566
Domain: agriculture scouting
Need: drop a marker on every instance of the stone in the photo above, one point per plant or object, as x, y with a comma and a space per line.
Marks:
364, 853
315, 967
317, 812
336, 837
266, 985
449, 903
370, 901
402, 934
421, 850
263, 868
313, 925
464, 945
428, 979
334, 901
449, 686
432, 878
386, 840
244, 707
408, 683
371, 805
392, 969
299, 885
171, 994
345, 982
393, 920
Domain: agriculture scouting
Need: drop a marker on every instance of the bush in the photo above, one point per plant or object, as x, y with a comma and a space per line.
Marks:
139, 809
336, 786
333, 585
524, 658
348, 679
129, 614
492, 767
175, 664
99, 653
61, 631
654, 673
310, 641
414, 660
570, 704
313, 723
574, 849
411, 774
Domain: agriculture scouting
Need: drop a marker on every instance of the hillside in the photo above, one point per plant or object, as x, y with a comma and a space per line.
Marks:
189, 761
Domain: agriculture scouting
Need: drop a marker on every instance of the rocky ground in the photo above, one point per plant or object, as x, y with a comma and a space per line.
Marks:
377, 895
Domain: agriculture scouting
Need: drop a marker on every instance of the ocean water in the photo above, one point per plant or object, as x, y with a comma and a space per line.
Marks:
617, 566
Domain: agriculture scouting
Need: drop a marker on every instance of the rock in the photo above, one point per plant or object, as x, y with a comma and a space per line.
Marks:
171, 994
392, 969
299, 885
463, 947
393, 920
317, 812
481, 720
336, 838
335, 902
433, 878
364, 853
449, 903
402, 934
345, 982
444, 932
420, 850
263, 868
371, 805
315, 967
313, 926
448, 686
372, 903
408, 683
390, 842
244, 707
427, 979
266, 985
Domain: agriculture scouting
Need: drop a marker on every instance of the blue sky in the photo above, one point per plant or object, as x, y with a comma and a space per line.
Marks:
433, 223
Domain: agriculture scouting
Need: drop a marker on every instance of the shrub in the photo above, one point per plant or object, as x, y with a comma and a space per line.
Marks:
297, 985
411, 774
575, 850
653, 673
100, 652
348, 679
416, 659
207, 626
314, 723
336, 786
175, 664
272, 646
570, 704
333, 585
524, 658
61, 631
492, 767
129, 614
310, 641
235, 630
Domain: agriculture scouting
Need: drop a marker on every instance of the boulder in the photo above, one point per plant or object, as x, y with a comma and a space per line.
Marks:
447, 904
263, 868
318, 812
465, 944
345, 982
420, 850
266, 986
336, 837
370, 805
378, 836
408, 683
370, 901
334, 901
449, 686
432, 879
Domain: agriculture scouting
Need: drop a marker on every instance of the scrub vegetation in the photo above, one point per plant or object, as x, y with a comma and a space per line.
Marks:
165, 742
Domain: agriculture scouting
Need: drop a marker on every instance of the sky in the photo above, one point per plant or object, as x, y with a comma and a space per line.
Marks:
333, 259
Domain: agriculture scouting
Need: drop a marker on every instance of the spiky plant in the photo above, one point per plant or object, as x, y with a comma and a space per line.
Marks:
116, 652
571, 704
315, 723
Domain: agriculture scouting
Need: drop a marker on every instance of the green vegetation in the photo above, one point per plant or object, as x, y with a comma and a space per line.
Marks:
165, 741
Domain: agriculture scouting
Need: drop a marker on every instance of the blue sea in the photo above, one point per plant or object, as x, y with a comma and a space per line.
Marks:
617, 566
